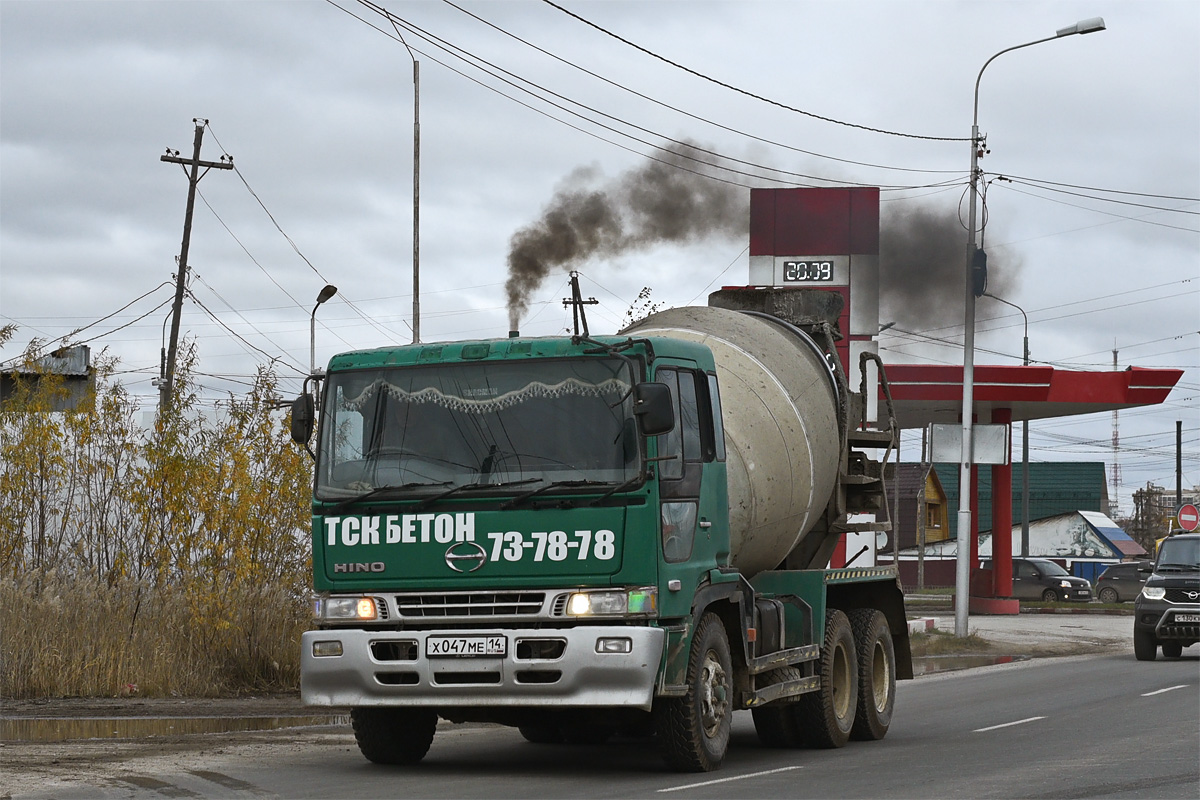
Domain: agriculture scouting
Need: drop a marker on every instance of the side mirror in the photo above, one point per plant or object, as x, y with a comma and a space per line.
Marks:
303, 417
653, 408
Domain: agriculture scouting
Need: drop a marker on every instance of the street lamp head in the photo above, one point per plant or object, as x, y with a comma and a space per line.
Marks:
1084, 26
329, 291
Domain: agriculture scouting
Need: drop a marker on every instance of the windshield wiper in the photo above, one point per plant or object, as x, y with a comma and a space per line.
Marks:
379, 490
521, 498
618, 488
466, 487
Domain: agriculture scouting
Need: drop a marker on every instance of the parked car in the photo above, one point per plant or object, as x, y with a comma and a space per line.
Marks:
1167, 612
1122, 582
1042, 579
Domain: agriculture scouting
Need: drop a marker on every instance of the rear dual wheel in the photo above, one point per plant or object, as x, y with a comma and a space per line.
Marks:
826, 717
876, 674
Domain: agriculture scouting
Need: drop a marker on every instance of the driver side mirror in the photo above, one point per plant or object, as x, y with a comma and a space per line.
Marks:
653, 408
303, 418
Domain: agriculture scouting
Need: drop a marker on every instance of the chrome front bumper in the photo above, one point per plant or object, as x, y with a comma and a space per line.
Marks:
378, 668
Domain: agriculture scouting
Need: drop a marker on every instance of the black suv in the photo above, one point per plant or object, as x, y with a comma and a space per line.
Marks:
1167, 612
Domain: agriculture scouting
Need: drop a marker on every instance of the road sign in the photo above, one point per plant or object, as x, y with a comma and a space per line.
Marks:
1188, 516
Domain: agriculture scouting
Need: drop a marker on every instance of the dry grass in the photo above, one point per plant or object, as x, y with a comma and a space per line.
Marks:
66, 637
942, 643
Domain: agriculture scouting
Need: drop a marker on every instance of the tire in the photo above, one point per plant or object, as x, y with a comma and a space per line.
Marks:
693, 730
876, 674
1144, 646
541, 734
1172, 649
1109, 595
1049, 596
776, 723
826, 717
393, 735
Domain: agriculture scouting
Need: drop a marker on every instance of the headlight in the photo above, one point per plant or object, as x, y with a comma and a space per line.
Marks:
1154, 592
639, 602
1065, 584
356, 608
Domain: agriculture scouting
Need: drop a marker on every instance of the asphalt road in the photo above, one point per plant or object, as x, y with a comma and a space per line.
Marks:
1082, 726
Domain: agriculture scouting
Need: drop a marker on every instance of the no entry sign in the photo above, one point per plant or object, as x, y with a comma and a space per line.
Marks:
1188, 516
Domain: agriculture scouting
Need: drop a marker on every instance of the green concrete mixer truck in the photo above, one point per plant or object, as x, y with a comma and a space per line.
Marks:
586, 537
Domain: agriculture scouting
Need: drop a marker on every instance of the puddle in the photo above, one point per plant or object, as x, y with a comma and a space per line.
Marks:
58, 729
927, 665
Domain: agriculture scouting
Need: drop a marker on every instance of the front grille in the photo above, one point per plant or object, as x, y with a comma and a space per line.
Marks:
1182, 596
469, 605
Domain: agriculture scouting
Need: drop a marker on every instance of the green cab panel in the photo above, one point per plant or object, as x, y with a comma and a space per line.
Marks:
460, 549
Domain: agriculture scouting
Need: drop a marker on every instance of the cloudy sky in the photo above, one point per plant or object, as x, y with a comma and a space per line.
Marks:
1095, 235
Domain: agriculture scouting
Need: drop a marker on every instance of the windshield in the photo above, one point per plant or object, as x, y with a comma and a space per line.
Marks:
481, 423
1049, 568
1183, 553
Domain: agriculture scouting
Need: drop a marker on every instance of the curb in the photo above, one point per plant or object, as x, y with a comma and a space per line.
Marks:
921, 625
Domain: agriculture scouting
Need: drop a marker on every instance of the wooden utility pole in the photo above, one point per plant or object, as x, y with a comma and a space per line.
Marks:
167, 380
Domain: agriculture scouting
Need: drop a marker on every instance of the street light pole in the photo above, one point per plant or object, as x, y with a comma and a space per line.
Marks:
329, 291
1024, 438
962, 563
416, 323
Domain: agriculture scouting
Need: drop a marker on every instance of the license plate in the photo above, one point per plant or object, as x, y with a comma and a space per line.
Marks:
1187, 617
438, 646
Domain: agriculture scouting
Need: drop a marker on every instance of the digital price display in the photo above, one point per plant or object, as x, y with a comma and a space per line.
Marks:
808, 271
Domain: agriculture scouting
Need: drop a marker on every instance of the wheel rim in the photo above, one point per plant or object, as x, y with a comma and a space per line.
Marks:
1108, 596
714, 694
881, 677
841, 682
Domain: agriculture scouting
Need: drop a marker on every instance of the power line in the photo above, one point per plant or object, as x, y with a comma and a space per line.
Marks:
684, 146
688, 114
293, 244
776, 103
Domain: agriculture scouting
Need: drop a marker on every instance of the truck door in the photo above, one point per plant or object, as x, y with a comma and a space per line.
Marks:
692, 485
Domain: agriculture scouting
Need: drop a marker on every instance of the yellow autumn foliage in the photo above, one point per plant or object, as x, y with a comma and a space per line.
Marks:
168, 561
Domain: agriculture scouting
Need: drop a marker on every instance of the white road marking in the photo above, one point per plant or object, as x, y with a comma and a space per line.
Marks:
1168, 689
727, 780
1007, 725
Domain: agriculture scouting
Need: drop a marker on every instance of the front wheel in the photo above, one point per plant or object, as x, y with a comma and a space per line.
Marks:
1144, 646
1050, 596
876, 674
1172, 649
393, 735
693, 730
826, 717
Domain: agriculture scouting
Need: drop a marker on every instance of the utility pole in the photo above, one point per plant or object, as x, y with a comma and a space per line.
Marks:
167, 380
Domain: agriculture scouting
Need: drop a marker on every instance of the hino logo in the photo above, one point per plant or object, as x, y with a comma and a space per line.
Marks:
361, 566
469, 554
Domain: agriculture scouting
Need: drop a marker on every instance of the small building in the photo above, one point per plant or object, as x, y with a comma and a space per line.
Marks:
922, 511
1084, 542
1055, 487
73, 364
